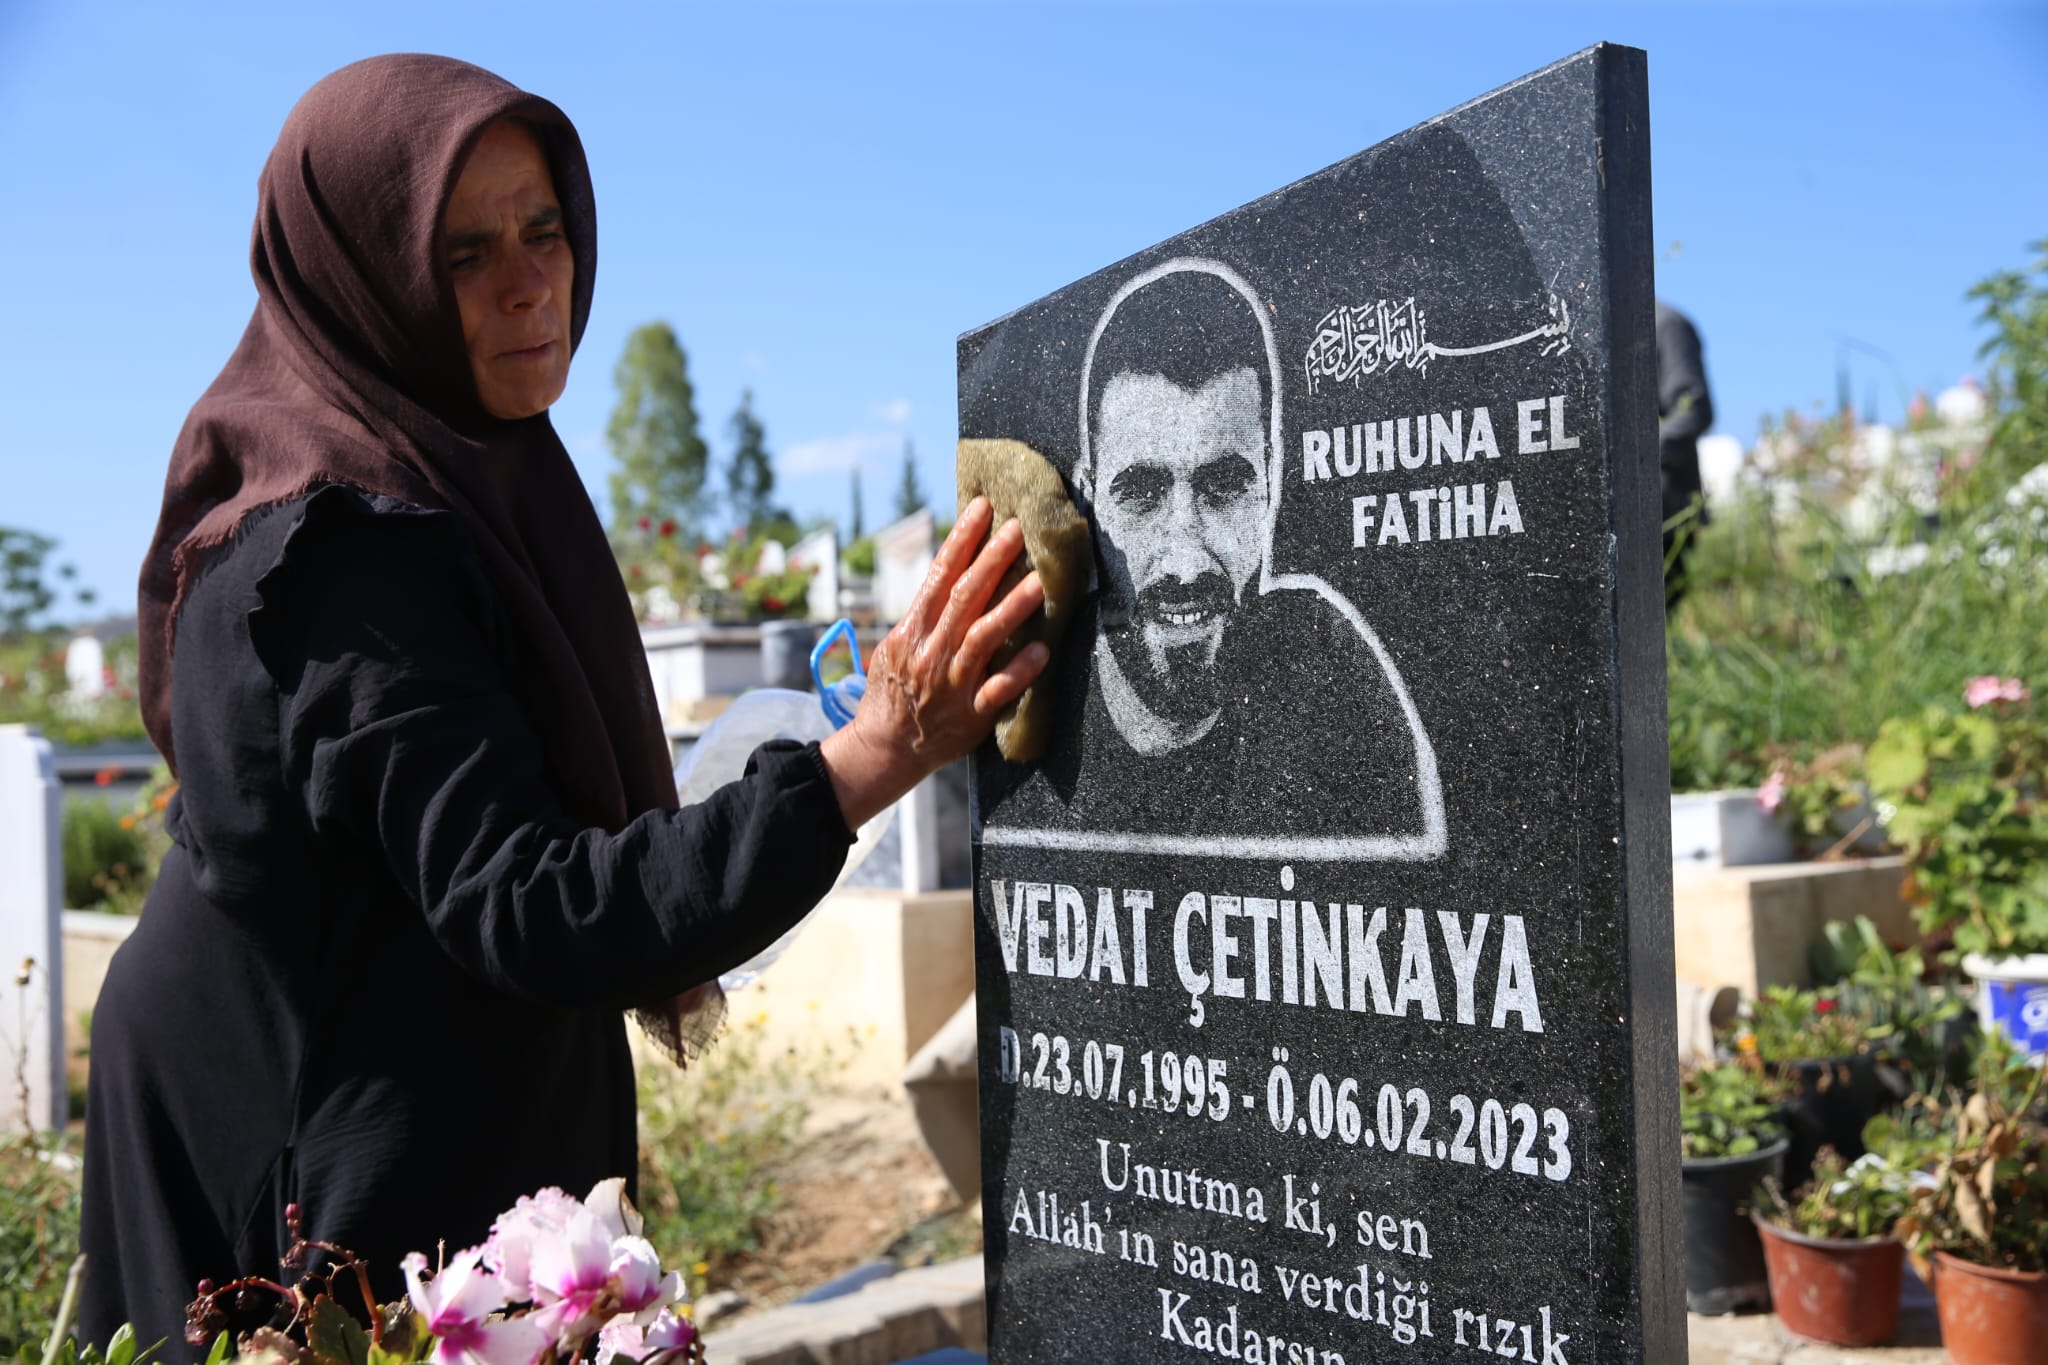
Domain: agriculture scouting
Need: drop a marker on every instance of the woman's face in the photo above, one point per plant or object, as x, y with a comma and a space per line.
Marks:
513, 270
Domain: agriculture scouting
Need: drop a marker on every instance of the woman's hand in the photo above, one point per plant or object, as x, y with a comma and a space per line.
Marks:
930, 695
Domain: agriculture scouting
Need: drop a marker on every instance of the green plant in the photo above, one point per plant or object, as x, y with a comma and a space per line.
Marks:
111, 858
2015, 308
712, 1139
1988, 1201
1888, 991
859, 557
121, 1349
1787, 1024
1863, 1199
1817, 797
35, 690
38, 1236
1864, 575
731, 584
1729, 1108
1963, 796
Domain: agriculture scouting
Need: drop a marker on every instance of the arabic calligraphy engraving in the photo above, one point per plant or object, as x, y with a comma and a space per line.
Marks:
1352, 343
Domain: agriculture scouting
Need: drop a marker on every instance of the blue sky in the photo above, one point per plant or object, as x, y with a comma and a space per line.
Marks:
820, 198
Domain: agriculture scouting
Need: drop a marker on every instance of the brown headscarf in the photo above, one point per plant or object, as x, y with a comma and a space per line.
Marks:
353, 371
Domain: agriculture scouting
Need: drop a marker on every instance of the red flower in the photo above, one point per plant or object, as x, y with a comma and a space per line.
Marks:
702, 549
772, 603
1824, 1006
633, 571
668, 528
105, 777
646, 522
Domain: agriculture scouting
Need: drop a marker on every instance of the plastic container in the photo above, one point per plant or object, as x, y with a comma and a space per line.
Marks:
2012, 998
1724, 1258
1835, 1098
763, 714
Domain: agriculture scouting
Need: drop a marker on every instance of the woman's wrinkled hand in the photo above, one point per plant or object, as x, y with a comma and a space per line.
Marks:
930, 695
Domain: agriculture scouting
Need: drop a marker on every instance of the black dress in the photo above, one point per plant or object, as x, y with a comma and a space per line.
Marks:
382, 971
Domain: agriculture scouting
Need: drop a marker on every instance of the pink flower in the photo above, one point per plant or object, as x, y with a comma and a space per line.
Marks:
1772, 794
584, 1278
581, 1264
654, 1344
457, 1305
509, 1250
1980, 692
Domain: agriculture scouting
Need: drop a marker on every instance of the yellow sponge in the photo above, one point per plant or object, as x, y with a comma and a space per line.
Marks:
1020, 483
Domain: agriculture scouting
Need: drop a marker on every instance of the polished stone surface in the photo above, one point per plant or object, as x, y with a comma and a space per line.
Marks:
1324, 963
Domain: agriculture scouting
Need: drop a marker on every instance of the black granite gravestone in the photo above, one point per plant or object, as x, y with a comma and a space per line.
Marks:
1325, 962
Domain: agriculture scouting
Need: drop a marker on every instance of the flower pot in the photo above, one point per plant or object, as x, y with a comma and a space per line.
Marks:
1724, 1260
1990, 1316
1843, 1292
2012, 998
1836, 1097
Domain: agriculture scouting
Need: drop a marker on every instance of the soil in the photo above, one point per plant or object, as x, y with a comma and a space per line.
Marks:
861, 1187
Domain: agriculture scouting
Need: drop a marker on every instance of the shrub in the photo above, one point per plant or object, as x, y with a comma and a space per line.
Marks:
712, 1139
1966, 796
105, 855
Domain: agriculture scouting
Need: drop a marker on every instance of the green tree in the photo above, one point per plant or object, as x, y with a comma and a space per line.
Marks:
26, 593
750, 479
2015, 308
653, 435
910, 495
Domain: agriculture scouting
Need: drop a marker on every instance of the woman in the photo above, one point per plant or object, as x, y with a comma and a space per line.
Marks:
426, 847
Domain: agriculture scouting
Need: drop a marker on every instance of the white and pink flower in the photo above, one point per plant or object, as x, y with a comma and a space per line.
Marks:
581, 1264
1981, 692
460, 1305
665, 1339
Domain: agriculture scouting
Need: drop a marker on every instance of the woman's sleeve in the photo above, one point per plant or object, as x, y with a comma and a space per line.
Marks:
400, 731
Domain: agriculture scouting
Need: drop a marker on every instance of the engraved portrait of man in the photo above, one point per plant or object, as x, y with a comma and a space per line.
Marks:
1175, 475
1229, 709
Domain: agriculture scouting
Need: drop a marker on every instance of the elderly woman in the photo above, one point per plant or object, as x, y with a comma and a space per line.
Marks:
426, 847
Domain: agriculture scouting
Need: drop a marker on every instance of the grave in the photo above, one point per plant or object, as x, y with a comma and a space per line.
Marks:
32, 1012
1324, 964
903, 555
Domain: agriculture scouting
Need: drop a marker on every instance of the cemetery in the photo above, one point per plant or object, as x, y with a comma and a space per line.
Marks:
1418, 914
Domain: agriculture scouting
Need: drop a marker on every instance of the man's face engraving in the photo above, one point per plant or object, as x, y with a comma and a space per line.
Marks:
1179, 490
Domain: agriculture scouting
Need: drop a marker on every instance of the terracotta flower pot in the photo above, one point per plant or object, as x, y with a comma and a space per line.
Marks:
1990, 1316
1843, 1292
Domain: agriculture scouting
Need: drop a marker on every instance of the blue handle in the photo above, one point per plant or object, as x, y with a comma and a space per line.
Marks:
824, 646
840, 699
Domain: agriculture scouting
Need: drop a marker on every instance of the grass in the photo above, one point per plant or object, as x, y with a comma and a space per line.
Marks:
38, 1236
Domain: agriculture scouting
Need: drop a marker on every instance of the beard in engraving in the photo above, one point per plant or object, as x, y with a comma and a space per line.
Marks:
1179, 493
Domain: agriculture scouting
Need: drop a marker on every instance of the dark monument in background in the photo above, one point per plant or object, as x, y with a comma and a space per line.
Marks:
1324, 963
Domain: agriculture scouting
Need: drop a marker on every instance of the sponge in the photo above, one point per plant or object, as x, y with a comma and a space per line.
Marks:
1020, 483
